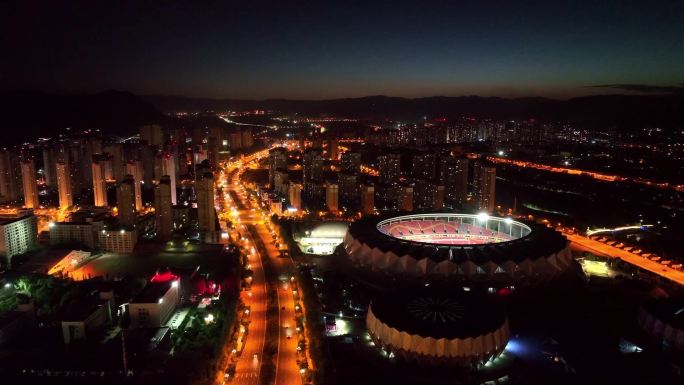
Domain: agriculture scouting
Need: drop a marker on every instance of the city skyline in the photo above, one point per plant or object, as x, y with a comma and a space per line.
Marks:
335, 193
315, 51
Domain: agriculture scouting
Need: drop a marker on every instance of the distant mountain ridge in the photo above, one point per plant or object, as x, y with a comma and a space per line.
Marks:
27, 115
619, 110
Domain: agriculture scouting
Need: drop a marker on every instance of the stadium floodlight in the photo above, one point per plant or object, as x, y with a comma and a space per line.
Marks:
482, 217
508, 220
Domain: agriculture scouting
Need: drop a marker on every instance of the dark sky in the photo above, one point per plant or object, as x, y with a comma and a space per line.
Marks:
320, 49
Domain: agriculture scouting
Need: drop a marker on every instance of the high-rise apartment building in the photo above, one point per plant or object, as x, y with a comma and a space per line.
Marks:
99, 182
206, 213
125, 201
10, 176
49, 167
152, 134
428, 195
484, 186
389, 168
18, 234
333, 149
453, 174
247, 140
295, 195
163, 210
168, 167
28, 178
405, 198
367, 199
116, 155
312, 168
277, 160
424, 166
280, 182
348, 184
64, 185
135, 169
351, 162
332, 197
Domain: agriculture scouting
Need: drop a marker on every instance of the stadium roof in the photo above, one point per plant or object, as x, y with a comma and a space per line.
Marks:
439, 313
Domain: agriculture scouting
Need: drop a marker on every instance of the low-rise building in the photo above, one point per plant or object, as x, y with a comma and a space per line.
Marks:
118, 240
87, 318
15, 324
18, 234
155, 304
82, 233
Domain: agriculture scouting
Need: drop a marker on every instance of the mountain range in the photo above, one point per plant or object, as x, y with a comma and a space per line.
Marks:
27, 114
619, 110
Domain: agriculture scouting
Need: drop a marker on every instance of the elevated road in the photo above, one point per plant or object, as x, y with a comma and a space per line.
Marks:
603, 249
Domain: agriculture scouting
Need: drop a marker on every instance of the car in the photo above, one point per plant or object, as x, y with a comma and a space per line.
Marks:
255, 356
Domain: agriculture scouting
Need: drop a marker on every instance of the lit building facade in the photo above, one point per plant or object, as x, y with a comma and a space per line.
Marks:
18, 234
484, 186
64, 185
367, 199
125, 201
163, 208
28, 178
332, 197
135, 169
99, 183
206, 212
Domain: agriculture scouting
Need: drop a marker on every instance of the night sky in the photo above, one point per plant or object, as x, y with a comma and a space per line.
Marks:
317, 50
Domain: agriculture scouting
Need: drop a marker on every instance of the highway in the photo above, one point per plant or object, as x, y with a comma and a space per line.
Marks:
248, 365
592, 174
245, 215
603, 249
287, 370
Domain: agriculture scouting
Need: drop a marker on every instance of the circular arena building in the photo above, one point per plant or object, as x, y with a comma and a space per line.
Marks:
663, 319
468, 245
438, 327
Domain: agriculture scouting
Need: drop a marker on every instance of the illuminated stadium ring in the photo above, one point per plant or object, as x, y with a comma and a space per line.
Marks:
453, 229
438, 326
469, 245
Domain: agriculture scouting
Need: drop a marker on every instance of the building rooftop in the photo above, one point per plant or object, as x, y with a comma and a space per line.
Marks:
439, 313
667, 310
153, 292
6, 219
9, 317
82, 309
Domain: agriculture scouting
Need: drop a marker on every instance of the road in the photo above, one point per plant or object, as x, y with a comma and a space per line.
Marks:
592, 174
634, 259
287, 370
244, 214
248, 366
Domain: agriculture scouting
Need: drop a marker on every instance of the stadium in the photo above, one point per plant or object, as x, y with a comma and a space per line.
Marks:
473, 246
663, 319
438, 327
